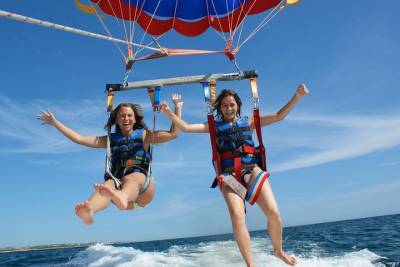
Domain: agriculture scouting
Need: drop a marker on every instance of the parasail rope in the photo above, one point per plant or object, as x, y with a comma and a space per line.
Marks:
136, 15
241, 24
112, 9
135, 18
148, 26
220, 34
107, 30
130, 21
123, 20
215, 10
152, 42
176, 7
262, 24
229, 18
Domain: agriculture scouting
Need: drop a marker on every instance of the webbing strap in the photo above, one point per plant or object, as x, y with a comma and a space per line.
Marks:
211, 126
257, 121
243, 149
130, 59
110, 100
237, 166
254, 90
117, 182
257, 125
154, 93
209, 94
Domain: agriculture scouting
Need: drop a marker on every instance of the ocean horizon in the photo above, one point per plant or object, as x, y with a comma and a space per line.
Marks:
373, 241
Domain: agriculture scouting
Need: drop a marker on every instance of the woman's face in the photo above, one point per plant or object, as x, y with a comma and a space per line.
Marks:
229, 108
125, 120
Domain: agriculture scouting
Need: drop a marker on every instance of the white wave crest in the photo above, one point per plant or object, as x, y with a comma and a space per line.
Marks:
218, 253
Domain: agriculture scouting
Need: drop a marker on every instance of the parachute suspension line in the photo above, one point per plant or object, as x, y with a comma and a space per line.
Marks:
154, 94
132, 24
219, 22
230, 16
114, 14
257, 120
160, 49
100, 18
151, 42
234, 61
228, 41
220, 34
130, 42
176, 7
129, 60
110, 101
113, 11
209, 89
118, 22
262, 24
137, 14
241, 24
228, 49
123, 21
151, 20
130, 20
154, 40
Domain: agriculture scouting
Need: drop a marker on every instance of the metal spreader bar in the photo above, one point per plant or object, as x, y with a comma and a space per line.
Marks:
184, 80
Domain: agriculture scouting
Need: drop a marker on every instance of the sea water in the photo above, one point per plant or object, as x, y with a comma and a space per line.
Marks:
353, 243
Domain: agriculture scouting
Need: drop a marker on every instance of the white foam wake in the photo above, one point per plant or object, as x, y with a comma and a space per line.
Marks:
219, 253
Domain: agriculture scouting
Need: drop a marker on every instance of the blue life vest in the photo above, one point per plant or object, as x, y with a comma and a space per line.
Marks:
128, 152
235, 140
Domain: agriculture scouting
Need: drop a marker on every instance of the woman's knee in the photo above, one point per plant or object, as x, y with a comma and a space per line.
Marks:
274, 215
238, 218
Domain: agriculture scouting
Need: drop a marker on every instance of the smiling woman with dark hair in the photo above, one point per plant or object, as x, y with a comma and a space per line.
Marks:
129, 185
248, 182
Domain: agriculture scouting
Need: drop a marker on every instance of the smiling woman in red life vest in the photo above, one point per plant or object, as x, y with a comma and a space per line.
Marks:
240, 173
129, 185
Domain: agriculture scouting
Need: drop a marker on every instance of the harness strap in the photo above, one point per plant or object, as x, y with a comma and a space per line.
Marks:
117, 182
257, 121
110, 99
243, 149
133, 162
209, 95
261, 148
154, 94
237, 165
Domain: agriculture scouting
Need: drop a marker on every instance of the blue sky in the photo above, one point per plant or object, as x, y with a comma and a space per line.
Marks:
335, 157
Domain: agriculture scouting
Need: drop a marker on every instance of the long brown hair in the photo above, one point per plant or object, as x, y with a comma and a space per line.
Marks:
218, 102
137, 110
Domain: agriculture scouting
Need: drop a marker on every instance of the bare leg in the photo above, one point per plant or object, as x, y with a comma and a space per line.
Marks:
118, 198
267, 203
129, 193
236, 210
85, 210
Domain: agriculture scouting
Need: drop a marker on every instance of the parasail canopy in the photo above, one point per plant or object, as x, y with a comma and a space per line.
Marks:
187, 17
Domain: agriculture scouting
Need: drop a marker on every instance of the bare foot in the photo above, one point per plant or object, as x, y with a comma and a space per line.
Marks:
118, 199
290, 260
84, 211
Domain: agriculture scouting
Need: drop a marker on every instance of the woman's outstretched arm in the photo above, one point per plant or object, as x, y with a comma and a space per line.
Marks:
183, 125
161, 136
285, 110
47, 117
